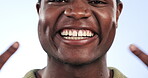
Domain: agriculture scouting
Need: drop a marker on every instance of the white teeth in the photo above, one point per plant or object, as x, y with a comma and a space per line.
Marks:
64, 32
76, 34
80, 33
84, 33
74, 38
87, 33
70, 33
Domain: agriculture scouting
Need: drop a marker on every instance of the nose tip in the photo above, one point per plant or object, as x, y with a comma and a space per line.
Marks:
77, 13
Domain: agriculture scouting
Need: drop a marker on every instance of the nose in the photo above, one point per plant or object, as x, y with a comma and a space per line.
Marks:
77, 13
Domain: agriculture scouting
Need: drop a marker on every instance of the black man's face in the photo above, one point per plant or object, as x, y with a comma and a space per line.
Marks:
77, 31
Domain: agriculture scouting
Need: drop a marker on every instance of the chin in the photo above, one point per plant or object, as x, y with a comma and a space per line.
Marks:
76, 60
79, 62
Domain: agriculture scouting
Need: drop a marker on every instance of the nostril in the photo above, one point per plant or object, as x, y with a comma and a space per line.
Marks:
84, 17
70, 16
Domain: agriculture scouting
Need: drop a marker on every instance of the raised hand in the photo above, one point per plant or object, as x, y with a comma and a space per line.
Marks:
8, 53
140, 54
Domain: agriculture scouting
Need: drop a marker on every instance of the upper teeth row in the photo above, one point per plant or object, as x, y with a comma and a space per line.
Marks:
74, 32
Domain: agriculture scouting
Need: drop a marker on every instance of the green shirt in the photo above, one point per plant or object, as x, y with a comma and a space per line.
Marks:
117, 73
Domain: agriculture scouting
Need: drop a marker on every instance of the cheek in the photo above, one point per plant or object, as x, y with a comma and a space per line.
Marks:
108, 33
46, 28
51, 17
45, 36
42, 34
106, 20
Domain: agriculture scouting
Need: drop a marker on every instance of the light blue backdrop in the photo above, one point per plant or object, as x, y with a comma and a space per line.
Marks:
18, 22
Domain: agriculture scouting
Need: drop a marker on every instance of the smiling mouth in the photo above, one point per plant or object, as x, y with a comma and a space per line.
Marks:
76, 34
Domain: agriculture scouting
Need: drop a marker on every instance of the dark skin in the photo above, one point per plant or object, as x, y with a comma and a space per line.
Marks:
8, 53
11, 50
69, 58
140, 54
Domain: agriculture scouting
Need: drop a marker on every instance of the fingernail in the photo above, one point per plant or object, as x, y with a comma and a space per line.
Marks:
15, 45
133, 47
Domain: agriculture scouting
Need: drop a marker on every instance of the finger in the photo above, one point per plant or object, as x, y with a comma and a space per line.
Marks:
7, 54
139, 53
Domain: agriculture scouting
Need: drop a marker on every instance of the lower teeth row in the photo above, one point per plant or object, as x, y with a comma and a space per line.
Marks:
75, 38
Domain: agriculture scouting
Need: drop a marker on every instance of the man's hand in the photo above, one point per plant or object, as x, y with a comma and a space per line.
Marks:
140, 54
7, 54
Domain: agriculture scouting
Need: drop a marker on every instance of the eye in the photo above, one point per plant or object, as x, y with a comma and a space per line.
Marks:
57, 0
97, 2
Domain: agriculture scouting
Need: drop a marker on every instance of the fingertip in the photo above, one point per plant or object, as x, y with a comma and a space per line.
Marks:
16, 45
133, 47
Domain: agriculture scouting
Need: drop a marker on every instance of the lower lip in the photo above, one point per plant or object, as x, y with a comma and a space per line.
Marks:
78, 42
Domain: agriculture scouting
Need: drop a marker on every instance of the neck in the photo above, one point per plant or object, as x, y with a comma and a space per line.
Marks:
56, 69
